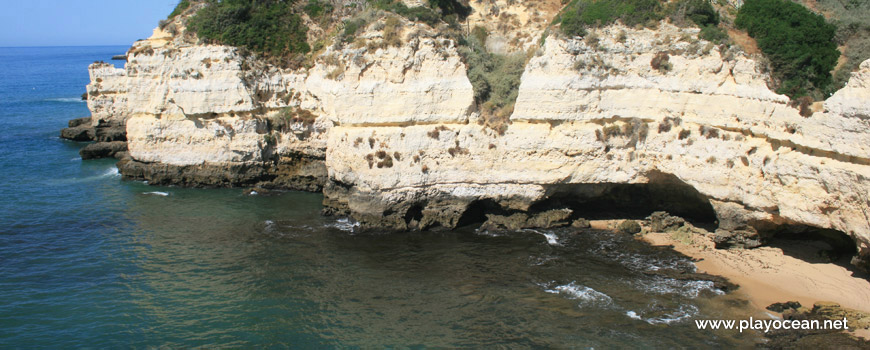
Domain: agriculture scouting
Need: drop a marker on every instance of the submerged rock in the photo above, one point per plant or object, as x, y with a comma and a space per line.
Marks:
819, 338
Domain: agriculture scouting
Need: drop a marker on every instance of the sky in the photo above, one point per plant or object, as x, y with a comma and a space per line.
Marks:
79, 22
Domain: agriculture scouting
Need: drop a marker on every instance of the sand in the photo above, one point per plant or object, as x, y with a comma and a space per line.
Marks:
791, 271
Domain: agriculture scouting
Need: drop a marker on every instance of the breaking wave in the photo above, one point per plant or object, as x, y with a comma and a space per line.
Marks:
587, 296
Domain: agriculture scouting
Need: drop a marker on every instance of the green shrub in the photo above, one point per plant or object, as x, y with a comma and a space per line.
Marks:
572, 24
182, 5
852, 18
265, 26
580, 14
351, 27
713, 34
421, 13
700, 12
315, 8
451, 7
495, 80
798, 43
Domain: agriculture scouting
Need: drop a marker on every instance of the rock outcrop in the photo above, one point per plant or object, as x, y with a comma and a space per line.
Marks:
592, 115
624, 118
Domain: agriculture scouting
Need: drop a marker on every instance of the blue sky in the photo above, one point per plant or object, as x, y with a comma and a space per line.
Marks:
79, 22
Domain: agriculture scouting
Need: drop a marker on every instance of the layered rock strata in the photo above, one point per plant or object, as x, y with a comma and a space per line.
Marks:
624, 118
595, 115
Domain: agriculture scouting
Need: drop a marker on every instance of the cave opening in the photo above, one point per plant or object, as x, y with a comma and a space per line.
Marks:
476, 211
664, 192
815, 245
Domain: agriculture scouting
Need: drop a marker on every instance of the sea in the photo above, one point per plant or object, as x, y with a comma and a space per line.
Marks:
89, 260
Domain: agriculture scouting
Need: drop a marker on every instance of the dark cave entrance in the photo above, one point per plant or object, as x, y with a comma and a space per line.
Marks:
664, 192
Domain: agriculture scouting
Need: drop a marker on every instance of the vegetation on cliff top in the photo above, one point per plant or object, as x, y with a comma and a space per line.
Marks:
182, 5
852, 18
264, 26
798, 43
579, 15
494, 78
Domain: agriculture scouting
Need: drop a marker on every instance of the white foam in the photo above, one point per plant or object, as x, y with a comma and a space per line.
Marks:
685, 312
253, 193
157, 193
633, 315
113, 171
586, 295
688, 289
552, 238
345, 224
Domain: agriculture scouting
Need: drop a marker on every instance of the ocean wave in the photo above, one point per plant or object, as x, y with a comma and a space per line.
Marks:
587, 296
684, 312
640, 262
688, 289
111, 172
157, 193
552, 238
345, 224
633, 315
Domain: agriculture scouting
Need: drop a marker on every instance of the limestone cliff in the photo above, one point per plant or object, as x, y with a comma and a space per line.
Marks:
636, 118
591, 116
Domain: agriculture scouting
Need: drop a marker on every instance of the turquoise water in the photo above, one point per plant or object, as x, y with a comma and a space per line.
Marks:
90, 260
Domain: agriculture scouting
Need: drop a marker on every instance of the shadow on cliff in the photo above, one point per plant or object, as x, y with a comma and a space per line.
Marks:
664, 192
816, 246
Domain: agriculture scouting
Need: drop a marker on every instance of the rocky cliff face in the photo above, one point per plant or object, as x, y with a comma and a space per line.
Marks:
702, 136
634, 118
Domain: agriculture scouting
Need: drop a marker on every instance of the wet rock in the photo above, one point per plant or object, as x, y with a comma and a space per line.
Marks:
781, 307
78, 133
80, 121
546, 219
629, 227
581, 223
304, 174
812, 339
661, 221
817, 339
103, 149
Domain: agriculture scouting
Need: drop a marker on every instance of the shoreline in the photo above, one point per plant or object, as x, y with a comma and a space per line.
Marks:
790, 271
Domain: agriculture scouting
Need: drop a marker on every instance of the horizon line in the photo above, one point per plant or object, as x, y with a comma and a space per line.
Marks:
48, 46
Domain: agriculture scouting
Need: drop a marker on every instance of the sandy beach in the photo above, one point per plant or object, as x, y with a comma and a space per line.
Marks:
787, 271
